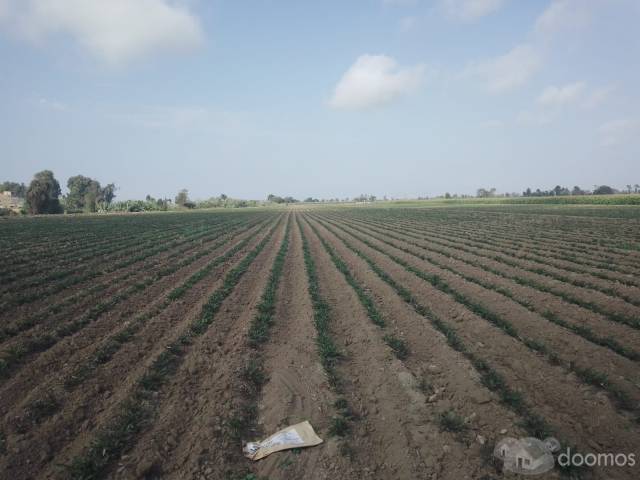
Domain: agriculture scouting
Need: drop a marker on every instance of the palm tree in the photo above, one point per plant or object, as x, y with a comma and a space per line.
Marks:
629, 188
637, 187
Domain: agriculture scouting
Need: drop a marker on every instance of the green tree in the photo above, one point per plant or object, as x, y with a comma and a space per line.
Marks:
83, 193
107, 194
182, 198
87, 194
43, 194
604, 190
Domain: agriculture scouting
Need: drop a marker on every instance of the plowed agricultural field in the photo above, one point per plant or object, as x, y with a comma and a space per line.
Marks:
412, 339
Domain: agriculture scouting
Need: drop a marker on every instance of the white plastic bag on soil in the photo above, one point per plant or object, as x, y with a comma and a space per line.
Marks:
295, 436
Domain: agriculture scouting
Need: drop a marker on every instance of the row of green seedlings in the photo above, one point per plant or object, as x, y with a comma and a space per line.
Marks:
547, 237
29, 256
100, 257
92, 232
244, 420
101, 249
73, 300
468, 230
583, 331
481, 241
16, 354
620, 397
567, 246
500, 233
328, 351
114, 343
136, 411
566, 296
61, 261
616, 265
397, 345
77, 255
32, 295
449, 420
155, 258
48, 404
533, 423
499, 255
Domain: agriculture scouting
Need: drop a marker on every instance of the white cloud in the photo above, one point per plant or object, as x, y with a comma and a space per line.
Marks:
563, 15
557, 96
616, 132
53, 104
574, 93
115, 31
508, 71
597, 97
470, 10
375, 80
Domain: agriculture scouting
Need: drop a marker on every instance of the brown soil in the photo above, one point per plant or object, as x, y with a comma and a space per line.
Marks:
581, 414
396, 431
83, 405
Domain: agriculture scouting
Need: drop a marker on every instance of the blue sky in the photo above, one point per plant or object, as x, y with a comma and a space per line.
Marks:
326, 99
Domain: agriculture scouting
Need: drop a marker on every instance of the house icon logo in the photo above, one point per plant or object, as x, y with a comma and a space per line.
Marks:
527, 456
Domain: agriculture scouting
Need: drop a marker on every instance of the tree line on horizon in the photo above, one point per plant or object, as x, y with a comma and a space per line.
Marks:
43, 195
559, 190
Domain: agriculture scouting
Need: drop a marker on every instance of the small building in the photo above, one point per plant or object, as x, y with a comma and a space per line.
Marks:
11, 202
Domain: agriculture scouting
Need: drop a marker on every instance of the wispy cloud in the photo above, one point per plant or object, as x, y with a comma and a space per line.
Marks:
616, 132
508, 71
557, 96
577, 93
563, 15
114, 31
375, 80
471, 10
597, 97
52, 104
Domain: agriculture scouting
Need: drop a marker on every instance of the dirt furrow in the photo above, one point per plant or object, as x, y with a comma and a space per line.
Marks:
71, 351
188, 433
536, 332
296, 388
581, 415
550, 306
40, 444
438, 377
390, 437
111, 275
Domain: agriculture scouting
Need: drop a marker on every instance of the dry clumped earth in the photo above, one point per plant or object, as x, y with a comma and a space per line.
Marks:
412, 339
